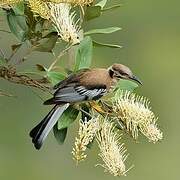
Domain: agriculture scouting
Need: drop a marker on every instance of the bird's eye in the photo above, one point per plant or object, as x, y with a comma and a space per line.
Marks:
123, 74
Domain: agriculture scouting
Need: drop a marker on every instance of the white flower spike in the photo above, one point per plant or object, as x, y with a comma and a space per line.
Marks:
63, 19
112, 152
134, 111
86, 134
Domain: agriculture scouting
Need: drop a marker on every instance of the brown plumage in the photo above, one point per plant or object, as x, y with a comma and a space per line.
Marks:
89, 77
85, 85
97, 77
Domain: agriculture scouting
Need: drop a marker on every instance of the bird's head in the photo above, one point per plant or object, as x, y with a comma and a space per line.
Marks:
120, 71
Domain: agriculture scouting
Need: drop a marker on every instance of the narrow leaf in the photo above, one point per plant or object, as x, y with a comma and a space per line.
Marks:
92, 12
102, 3
99, 44
17, 25
60, 135
19, 8
84, 54
14, 26
21, 21
103, 31
68, 117
112, 7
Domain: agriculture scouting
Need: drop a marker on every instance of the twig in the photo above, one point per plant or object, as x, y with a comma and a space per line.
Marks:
85, 112
58, 57
10, 75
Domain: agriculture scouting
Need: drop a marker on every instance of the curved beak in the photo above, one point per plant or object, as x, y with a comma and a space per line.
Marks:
135, 78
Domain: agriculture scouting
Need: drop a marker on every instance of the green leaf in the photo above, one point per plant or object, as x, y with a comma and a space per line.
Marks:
55, 77
68, 117
14, 27
126, 85
22, 23
47, 43
17, 25
103, 31
102, 3
19, 8
84, 54
112, 7
99, 44
60, 135
92, 12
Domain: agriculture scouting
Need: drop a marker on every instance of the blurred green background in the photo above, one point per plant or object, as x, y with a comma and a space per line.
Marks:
151, 47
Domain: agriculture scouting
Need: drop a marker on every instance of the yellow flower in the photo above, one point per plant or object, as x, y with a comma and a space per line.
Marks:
134, 111
6, 3
40, 8
86, 134
61, 17
112, 151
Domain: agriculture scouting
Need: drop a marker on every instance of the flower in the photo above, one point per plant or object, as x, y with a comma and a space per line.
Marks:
6, 3
135, 113
73, 2
40, 8
112, 151
152, 132
64, 23
86, 134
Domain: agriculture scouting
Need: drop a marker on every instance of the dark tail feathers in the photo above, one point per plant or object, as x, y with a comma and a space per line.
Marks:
40, 132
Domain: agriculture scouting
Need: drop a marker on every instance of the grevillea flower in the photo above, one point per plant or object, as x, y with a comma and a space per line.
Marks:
73, 2
86, 134
40, 8
112, 152
5, 3
63, 19
61, 16
134, 111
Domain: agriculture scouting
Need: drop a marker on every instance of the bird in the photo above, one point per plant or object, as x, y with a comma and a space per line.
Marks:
83, 85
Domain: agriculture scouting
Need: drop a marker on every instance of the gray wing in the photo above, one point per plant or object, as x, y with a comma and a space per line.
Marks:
72, 78
72, 93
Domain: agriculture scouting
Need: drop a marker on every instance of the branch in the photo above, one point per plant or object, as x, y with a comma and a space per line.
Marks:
10, 74
62, 53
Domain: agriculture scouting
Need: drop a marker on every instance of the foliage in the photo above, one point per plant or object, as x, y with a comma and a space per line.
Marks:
40, 26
